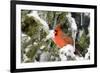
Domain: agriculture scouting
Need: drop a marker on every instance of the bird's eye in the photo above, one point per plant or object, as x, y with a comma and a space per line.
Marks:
55, 32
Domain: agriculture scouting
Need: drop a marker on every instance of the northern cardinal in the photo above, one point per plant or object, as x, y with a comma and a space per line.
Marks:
64, 42
60, 39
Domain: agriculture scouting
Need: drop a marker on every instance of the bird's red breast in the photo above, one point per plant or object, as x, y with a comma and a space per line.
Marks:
60, 38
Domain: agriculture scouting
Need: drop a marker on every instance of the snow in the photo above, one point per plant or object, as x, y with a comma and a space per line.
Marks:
35, 43
67, 50
72, 21
42, 47
50, 35
35, 15
45, 56
25, 58
25, 37
73, 26
87, 55
28, 48
79, 58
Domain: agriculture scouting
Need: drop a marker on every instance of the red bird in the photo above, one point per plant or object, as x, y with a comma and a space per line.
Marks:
60, 39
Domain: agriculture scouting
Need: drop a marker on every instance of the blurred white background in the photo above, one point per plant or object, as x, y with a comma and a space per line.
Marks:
5, 36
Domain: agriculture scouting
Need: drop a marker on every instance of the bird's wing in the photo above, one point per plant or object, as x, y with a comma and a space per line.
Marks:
67, 39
